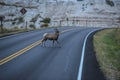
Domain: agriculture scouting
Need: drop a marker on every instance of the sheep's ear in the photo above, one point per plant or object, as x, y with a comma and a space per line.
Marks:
56, 29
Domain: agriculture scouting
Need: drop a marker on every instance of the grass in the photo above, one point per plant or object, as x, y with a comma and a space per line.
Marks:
107, 47
15, 30
7, 32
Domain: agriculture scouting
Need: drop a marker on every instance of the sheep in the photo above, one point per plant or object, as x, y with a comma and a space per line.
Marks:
51, 36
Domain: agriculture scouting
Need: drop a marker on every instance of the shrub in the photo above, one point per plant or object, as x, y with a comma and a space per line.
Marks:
109, 2
15, 28
34, 19
118, 19
13, 23
2, 3
44, 25
20, 20
32, 26
11, 14
91, 3
46, 20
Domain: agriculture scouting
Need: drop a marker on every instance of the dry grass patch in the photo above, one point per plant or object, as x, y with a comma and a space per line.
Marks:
107, 47
7, 32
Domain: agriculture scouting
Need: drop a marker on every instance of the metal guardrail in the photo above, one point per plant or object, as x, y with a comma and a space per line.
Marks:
84, 21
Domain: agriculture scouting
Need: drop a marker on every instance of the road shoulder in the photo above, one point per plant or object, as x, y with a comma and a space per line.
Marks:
91, 69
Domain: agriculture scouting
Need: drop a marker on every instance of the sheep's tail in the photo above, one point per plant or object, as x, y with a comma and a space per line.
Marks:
44, 37
45, 34
42, 40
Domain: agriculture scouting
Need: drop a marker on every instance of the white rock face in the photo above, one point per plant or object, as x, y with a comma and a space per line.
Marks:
56, 10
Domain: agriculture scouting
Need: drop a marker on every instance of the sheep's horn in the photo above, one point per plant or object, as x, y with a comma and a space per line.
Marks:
56, 29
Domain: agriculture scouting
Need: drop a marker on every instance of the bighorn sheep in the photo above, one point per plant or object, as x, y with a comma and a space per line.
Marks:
51, 36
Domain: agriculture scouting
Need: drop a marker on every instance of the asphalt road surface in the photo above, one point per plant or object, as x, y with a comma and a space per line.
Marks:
23, 58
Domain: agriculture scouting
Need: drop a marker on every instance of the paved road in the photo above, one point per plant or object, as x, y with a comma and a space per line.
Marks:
49, 63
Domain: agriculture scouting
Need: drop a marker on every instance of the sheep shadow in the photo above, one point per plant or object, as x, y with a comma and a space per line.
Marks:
56, 46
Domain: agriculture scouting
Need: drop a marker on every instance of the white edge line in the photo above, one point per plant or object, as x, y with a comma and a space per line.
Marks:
82, 56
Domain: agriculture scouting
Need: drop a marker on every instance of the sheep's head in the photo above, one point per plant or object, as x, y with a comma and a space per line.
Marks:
56, 30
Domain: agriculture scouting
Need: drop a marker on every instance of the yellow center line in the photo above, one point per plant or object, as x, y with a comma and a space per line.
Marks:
9, 58
19, 52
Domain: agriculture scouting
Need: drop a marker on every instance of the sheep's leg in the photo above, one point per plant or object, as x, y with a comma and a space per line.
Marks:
53, 42
43, 43
58, 42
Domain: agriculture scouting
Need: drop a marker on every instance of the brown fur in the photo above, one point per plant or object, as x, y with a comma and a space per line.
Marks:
51, 36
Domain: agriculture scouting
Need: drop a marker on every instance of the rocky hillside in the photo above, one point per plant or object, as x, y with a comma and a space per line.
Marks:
37, 10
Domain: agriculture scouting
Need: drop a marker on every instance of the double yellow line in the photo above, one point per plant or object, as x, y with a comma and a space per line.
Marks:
19, 52
9, 58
